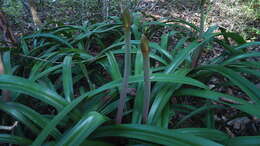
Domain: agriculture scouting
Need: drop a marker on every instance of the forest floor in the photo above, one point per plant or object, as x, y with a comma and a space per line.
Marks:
231, 15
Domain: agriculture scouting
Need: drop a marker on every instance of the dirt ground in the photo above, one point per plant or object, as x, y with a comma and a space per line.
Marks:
231, 14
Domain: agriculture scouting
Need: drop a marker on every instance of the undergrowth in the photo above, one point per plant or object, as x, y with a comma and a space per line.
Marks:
65, 82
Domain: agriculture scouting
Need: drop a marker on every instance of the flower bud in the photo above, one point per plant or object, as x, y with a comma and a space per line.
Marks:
145, 45
126, 16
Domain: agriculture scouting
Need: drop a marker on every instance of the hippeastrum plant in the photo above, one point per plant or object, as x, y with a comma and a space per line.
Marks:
64, 94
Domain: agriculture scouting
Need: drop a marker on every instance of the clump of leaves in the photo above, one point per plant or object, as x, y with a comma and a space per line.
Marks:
73, 73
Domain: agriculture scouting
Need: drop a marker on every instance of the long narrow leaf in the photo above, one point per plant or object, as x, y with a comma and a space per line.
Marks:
49, 36
82, 129
153, 135
11, 139
248, 87
21, 85
67, 78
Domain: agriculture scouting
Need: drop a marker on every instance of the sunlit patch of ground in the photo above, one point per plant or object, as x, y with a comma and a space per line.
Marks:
232, 15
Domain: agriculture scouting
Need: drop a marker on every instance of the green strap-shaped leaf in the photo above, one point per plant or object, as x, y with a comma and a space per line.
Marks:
95, 143
164, 41
161, 99
53, 123
33, 89
152, 134
245, 45
167, 78
36, 69
17, 110
250, 64
138, 100
46, 72
238, 103
49, 36
20, 117
12, 139
195, 112
181, 56
67, 78
241, 56
244, 141
212, 134
114, 67
161, 50
165, 117
7, 62
118, 44
76, 135
249, 71
248, 87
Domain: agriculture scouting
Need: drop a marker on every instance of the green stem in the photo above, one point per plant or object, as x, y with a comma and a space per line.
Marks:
127, 70
198, 52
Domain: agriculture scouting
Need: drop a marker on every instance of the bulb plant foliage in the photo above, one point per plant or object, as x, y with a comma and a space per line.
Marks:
66, 83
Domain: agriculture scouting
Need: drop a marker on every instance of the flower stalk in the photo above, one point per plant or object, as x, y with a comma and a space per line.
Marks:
198, 52
126, 17
147, 82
